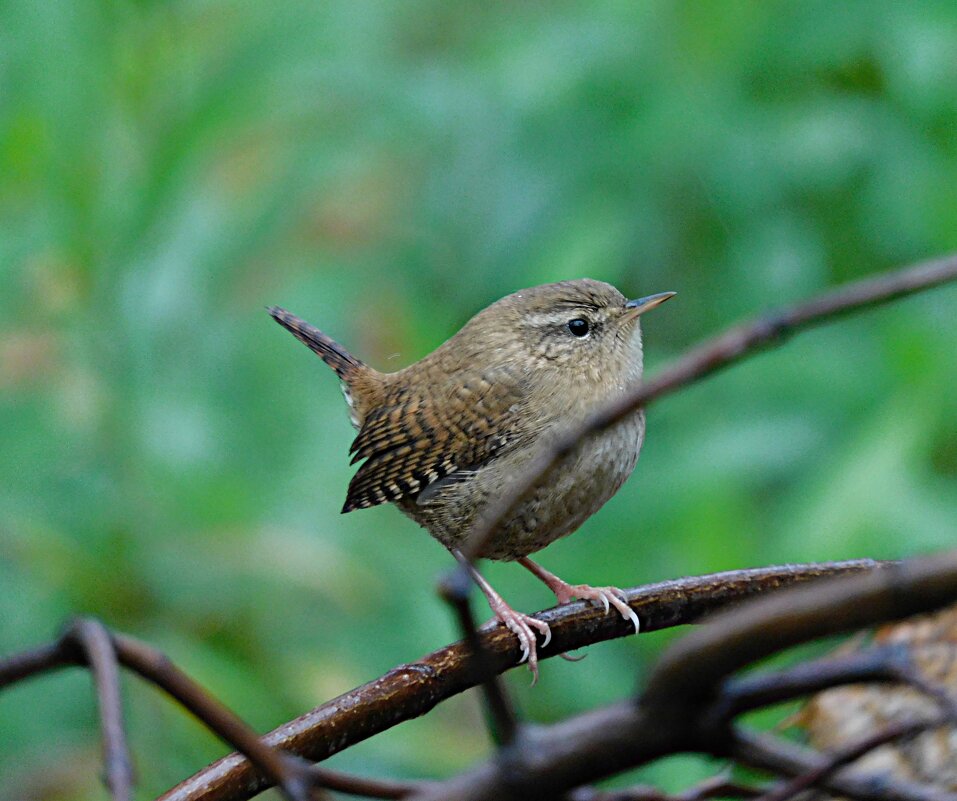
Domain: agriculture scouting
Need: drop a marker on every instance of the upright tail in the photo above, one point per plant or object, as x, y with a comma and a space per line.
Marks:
331, 352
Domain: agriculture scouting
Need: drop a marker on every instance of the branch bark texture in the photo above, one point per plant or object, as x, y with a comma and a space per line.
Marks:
408, 691
681, 708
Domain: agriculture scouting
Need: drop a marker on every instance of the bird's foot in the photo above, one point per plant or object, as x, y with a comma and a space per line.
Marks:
523, 627
606, 596
564, 592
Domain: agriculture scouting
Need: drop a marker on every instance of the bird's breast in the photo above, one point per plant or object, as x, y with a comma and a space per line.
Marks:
567, 496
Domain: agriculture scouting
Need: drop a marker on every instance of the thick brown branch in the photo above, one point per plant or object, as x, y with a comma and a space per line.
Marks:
711, 356
676, 713
412, 690
692, 668
720, 786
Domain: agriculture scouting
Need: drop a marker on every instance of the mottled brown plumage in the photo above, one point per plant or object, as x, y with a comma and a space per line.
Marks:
445, 435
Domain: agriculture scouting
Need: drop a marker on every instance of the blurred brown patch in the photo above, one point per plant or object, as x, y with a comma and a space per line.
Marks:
56, 284
352, 214
250, 162
27, 358
847, 715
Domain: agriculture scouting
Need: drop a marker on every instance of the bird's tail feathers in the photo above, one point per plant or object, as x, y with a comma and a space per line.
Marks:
331, 352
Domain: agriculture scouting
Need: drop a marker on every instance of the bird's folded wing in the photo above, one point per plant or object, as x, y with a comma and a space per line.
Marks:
416, 438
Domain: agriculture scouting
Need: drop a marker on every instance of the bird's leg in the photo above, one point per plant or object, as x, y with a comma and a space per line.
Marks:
522, 625
564, 592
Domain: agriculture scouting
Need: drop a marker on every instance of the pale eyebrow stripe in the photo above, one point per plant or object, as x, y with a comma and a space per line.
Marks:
579, 304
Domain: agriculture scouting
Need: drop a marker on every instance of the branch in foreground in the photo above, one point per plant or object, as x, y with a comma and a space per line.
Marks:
681, 709
501, 718
720, 786
411, 690
713, 355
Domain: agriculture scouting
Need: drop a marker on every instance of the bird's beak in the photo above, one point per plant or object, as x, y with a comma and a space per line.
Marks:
641, 305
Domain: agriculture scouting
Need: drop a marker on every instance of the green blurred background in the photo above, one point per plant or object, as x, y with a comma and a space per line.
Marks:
174, 463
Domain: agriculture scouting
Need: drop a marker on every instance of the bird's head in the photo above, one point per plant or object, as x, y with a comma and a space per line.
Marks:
584, 329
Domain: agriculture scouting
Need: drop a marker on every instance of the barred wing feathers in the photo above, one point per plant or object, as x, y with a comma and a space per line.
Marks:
423, 433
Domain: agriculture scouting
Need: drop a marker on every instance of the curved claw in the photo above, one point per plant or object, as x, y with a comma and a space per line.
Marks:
525, 649
570, 658
521, 625
547, 631
564, 592
607, 597
618, 599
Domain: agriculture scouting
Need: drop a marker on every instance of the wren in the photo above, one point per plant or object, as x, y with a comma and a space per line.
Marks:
444, 436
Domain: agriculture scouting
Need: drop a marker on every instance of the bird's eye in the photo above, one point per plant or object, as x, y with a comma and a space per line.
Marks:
578, 327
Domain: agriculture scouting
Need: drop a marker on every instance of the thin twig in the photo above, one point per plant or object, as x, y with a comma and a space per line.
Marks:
37, 661
901, 730
770, 754
290, 774
411, 690
713, 355
97, 645
889, 663
88, 642
503, 721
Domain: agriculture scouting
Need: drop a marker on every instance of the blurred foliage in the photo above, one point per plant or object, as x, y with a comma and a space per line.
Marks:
174, 463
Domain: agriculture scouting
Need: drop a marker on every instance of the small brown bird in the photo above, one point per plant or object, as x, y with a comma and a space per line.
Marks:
444, 436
